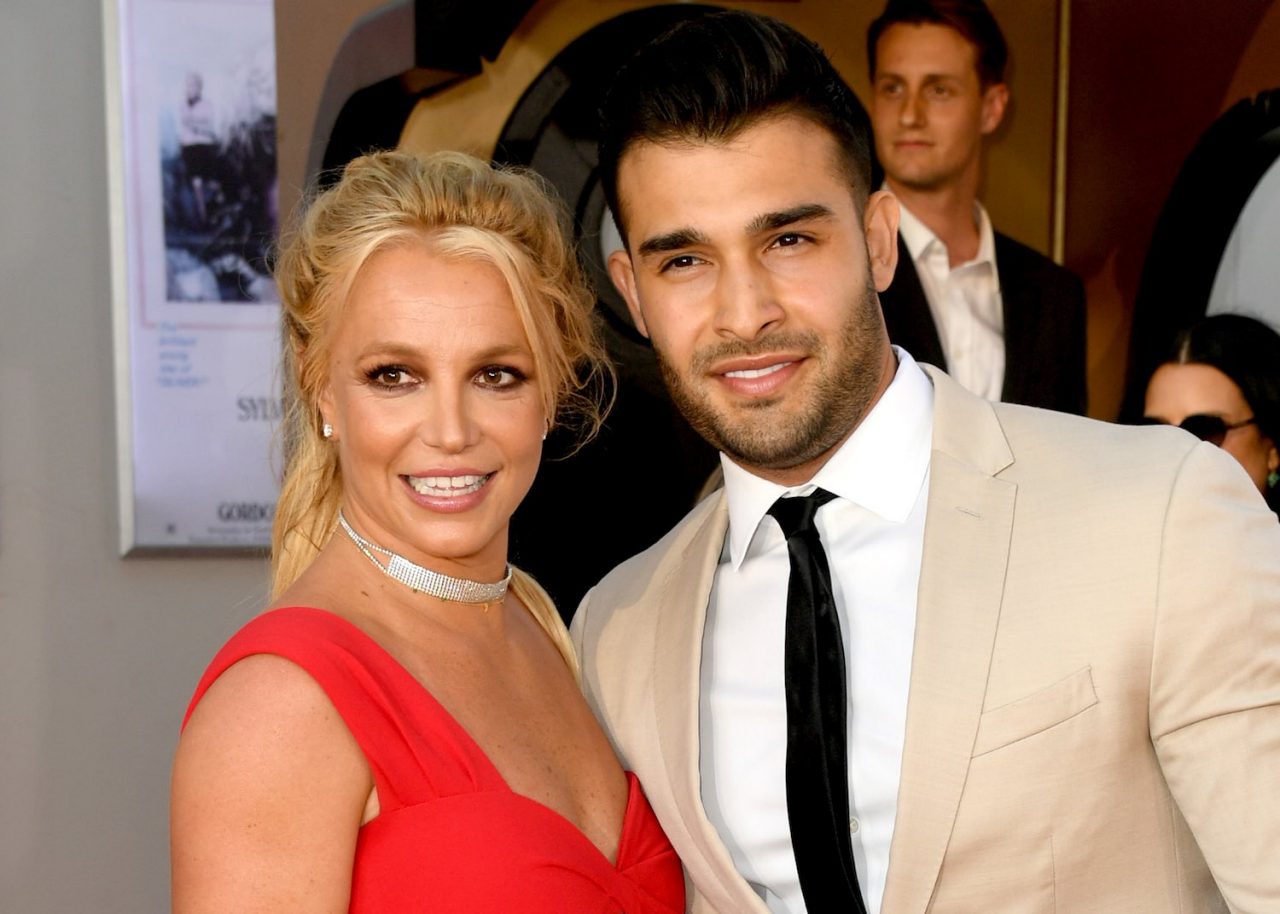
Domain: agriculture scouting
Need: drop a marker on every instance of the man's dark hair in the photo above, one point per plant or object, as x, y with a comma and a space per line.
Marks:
709, 78
970, 18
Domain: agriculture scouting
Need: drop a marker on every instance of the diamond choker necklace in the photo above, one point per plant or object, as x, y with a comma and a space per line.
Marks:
423, 580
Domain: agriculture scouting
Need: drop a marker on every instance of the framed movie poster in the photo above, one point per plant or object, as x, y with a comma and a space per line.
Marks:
191, 100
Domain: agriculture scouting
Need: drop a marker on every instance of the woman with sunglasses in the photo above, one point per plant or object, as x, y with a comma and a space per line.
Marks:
1221, 382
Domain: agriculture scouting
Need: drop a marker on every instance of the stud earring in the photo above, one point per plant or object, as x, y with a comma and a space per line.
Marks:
326, 430
546, 430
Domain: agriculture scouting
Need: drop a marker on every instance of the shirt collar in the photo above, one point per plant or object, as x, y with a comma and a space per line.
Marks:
919, 237
881, 466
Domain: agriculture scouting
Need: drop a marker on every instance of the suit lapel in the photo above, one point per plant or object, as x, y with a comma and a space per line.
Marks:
907, 315
966, 551
681, 600
1018, 324
682, 613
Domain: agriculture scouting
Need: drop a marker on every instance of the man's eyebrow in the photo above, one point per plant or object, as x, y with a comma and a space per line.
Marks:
927, 78
767, 222
688, 237
671, 241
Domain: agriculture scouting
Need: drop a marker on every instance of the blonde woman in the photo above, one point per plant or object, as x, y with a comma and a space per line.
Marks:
403, 729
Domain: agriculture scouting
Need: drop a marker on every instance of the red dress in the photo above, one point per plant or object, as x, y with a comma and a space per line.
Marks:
451, 835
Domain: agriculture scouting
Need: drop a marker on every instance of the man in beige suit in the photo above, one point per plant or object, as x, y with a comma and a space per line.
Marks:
1060, 638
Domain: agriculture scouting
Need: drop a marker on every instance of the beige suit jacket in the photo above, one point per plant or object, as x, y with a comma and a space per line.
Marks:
1094, 711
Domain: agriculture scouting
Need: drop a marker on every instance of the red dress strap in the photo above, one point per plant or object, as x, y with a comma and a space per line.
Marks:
415, 749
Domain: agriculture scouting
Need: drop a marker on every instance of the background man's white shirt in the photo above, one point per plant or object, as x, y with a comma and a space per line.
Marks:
965, 301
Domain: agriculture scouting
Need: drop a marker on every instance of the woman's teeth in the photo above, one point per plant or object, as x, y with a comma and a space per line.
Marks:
447, 486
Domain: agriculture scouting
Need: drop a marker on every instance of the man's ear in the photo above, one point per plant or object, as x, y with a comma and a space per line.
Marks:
624, 280
995, 99
880, 224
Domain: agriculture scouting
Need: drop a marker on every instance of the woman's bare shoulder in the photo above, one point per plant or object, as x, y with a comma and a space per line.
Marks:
268, 791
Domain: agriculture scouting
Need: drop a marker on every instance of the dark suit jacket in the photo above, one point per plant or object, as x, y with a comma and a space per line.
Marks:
1044, 325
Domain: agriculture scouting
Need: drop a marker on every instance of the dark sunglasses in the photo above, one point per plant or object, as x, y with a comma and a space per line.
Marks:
1207, 428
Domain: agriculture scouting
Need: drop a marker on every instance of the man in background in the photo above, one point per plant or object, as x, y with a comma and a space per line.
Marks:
1002, 319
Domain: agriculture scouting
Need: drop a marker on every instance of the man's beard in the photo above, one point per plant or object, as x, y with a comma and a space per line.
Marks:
760, 434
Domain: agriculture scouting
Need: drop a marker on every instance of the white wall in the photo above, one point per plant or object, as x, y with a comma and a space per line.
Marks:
98, 655
1249, 273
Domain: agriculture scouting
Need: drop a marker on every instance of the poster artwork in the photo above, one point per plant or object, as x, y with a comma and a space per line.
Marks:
198, 116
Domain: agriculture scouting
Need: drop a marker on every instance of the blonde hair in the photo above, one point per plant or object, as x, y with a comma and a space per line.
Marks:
460, 207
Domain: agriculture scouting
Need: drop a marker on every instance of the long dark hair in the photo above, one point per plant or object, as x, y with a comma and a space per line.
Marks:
1247, 351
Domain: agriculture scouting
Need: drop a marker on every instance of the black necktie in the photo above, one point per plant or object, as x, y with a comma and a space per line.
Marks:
817, 764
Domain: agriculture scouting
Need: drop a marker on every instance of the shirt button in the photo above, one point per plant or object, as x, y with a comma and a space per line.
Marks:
853, 825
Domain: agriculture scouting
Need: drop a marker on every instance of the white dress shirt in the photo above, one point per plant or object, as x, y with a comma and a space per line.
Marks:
965, 302
873, 534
